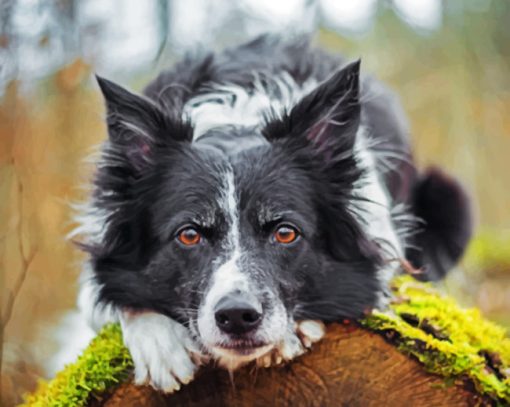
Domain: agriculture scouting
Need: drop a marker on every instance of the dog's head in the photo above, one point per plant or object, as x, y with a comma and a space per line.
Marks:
236, 243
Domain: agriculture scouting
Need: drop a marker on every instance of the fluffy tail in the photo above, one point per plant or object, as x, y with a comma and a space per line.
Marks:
443, 205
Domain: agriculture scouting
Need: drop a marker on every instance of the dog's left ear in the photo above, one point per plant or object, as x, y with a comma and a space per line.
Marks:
328, 117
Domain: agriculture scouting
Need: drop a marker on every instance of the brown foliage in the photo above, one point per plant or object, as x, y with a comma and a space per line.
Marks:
45, 138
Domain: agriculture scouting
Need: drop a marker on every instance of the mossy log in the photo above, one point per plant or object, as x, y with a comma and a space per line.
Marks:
351, 367
424, 351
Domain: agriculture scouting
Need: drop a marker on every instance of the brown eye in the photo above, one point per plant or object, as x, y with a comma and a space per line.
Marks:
189, 237
285, 234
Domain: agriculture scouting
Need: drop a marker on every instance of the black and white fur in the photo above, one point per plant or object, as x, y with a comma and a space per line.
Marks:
236, 144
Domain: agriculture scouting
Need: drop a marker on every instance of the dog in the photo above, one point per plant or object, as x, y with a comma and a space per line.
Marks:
249, 197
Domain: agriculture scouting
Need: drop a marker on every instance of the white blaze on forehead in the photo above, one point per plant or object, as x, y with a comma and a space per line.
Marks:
232, 210
228, 276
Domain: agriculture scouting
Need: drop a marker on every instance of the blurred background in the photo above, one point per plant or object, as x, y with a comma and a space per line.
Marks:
448, 60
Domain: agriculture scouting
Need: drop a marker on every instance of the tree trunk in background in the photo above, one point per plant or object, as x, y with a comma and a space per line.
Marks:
350, 367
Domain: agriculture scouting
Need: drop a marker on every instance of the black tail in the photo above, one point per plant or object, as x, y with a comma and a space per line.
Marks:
443, 205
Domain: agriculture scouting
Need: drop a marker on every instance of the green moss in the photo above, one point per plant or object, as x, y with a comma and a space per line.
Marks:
104, 364
454, 343
447, 340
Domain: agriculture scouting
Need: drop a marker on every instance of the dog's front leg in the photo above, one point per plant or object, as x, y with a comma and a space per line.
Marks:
163, 351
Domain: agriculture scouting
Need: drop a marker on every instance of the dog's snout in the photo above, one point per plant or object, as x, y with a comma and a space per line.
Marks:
236, 315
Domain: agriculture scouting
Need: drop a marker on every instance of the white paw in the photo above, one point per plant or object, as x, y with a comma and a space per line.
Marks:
294, 343
163, 352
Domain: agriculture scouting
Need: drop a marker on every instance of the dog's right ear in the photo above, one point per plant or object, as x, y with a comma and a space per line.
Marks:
137, 125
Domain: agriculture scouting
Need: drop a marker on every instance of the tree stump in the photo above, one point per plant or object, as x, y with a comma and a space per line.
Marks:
424, 351
349, 367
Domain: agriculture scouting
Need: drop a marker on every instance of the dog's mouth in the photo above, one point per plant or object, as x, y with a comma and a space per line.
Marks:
242, 347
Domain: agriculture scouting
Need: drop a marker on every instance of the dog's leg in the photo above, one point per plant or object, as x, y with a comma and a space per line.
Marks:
297, 339
164, 354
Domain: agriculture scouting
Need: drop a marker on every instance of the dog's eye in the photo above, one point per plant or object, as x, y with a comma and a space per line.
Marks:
285, 234
189, 236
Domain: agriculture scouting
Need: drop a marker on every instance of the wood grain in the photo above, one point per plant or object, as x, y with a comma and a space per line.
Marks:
349, 367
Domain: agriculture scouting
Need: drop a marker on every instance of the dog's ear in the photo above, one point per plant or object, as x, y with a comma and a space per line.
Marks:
136, 125
328, 117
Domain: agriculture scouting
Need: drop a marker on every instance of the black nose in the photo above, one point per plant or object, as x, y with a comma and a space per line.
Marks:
236, 316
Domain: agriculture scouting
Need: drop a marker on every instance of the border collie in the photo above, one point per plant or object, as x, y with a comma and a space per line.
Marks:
247, 198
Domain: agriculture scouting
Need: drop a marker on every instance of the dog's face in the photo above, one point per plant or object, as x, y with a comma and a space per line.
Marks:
236, 244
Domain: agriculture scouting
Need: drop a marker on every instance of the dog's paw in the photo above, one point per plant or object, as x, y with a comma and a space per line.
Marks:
310, 331
163, 352
294, 344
